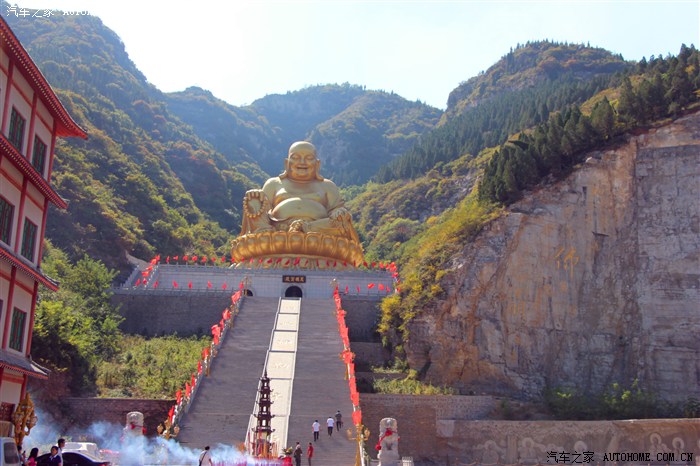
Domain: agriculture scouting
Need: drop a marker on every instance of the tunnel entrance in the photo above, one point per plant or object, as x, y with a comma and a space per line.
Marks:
293, 292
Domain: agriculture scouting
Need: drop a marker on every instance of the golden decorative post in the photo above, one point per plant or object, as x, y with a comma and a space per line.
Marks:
167, 431
24, 419
361, 436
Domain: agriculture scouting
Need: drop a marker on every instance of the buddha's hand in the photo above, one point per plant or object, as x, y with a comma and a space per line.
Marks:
255, 203
298, 225
340, 214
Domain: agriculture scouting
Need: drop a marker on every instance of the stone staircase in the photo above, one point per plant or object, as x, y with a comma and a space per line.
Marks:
320, 388
225, 400
307, 376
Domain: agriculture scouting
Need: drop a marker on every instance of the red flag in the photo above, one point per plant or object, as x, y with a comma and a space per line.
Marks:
286, 262
381, 287
224, 286
213, 259
358, 288
347, 289
365, 264
171, 413
155, 285
188, 389
167, 260
189, 285
204, 259
185, 258
297, 260
370, 285
144, 274
138, 282
240, 286
194, 381
199, 367
357, 417
374, 264
176, 258
208, 284
178, 396
223, 259
175, 285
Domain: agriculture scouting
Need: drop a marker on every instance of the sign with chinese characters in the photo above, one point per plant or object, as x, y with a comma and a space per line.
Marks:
294, 278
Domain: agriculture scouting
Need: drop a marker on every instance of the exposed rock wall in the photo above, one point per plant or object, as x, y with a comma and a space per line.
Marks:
586, 282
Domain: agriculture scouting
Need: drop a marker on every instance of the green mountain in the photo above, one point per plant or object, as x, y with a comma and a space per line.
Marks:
142, 182
521, 90
356, 131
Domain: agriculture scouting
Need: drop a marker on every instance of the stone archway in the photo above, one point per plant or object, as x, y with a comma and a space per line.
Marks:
293, 292
248, 292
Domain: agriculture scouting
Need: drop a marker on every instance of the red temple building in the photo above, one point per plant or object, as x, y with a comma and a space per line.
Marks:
31, 118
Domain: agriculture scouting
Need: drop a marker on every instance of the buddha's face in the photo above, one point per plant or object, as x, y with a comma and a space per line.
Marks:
302, 164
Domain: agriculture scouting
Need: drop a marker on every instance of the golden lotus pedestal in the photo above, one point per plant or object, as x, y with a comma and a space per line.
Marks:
297, 249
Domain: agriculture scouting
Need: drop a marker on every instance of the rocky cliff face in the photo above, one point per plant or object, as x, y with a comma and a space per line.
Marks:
587, 282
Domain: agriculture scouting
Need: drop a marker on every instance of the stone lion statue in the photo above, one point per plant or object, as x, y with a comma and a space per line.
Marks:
388, 444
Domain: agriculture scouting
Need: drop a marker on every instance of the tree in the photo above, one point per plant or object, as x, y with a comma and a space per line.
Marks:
603, 119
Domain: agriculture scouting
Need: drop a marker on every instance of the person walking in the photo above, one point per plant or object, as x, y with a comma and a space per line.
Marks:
297, 454
338, 421
317, 427
205, 457
330, 422
61, 443
31, 461
55, 459
310, 452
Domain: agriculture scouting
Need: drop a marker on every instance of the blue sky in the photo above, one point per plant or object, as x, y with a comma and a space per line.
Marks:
421, 50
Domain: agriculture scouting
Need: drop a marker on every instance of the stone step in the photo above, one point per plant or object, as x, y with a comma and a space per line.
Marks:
225, 400
320, 388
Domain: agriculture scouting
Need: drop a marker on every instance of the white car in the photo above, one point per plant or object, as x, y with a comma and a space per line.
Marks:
83, 447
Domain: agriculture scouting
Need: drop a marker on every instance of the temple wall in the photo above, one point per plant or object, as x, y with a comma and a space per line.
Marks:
82, 412
451, 430
185, 313
193, 311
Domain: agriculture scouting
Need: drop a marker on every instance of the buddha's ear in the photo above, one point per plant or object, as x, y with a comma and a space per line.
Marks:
318, 170
286, 168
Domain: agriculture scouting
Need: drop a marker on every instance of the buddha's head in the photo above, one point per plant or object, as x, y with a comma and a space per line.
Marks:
302, 164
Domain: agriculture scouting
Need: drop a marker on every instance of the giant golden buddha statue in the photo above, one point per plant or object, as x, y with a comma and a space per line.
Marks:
298, 214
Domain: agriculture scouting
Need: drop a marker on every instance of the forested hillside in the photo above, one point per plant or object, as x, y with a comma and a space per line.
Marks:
519, 91
355, 130
166, 173
142, 182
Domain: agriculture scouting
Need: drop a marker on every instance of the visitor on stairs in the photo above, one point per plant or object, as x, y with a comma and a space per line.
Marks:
317, 427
